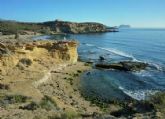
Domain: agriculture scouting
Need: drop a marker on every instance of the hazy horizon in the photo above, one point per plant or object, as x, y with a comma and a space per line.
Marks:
139, 14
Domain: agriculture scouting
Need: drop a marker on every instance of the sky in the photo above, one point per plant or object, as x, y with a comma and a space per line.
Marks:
137, 13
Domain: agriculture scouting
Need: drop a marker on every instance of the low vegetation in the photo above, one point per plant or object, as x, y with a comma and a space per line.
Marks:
158, 101
48, 103
12, 99
4, 86
13, 27
128, 108
31, 106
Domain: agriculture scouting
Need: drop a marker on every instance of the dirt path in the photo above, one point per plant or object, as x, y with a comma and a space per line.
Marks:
47, 75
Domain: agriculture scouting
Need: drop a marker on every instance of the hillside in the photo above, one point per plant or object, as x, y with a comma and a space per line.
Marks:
50, 27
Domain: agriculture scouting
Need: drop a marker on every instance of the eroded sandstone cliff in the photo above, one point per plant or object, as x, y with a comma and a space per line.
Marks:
24, 54
59, 26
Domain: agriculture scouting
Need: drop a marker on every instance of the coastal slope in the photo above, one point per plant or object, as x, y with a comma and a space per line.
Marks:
39, 79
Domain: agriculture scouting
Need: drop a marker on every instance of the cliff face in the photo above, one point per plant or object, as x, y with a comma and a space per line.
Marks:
22, 55
50, 27
72, 27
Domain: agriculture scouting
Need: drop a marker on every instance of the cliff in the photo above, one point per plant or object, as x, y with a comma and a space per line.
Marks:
50, 27
75, 28
32, 54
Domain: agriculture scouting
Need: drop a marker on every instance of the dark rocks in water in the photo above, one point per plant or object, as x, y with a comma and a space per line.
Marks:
110, 66
101, 58
89, 62
88, 73
134, 66
124, 66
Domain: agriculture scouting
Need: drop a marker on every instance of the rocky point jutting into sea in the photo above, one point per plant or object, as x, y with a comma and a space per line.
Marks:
75, 28
53, 27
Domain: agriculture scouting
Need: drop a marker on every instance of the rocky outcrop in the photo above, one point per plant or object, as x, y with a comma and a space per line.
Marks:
52, 27
75, 28
124, 66
3, 50
23, 54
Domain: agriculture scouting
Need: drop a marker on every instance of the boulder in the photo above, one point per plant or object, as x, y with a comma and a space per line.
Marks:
101, 58
124, 66
25, 61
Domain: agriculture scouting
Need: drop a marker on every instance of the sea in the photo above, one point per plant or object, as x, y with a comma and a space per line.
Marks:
133, 44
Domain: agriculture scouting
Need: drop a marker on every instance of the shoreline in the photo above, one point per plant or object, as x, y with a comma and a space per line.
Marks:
57, 81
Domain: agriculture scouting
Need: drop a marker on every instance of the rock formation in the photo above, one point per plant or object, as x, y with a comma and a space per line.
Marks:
75, 28
124, 66
24, 54
51, 27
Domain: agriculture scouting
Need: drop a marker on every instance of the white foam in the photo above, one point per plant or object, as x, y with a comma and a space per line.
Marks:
143, 73
118, 52
127, 55
138, 94
114, 51
156, 66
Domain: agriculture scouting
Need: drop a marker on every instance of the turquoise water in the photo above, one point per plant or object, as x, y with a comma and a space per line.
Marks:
146, 45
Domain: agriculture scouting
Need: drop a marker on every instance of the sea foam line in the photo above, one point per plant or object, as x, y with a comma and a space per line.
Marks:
139, 94
118, 52
114, 51
123, 54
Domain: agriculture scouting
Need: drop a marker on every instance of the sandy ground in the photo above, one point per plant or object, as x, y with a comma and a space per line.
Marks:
63, 86
57, 80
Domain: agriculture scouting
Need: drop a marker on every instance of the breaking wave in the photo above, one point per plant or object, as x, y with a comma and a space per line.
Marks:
114, 51
139, 94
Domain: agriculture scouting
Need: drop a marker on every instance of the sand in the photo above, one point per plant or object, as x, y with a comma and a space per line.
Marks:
58, 80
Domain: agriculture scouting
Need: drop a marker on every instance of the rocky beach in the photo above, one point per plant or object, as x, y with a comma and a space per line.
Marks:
40, 79
47, 77
82, 59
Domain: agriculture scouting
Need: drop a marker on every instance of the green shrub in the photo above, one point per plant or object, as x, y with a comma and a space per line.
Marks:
12, 99
25, 61
17, 35
158, 100
75, 75
11, 27
31, 106
4, 86
79, 71
48, 103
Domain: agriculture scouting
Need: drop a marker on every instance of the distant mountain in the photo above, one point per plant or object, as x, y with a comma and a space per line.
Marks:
124, 26
112, 29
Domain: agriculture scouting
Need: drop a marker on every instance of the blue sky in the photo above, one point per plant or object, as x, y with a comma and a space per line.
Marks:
137, 13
